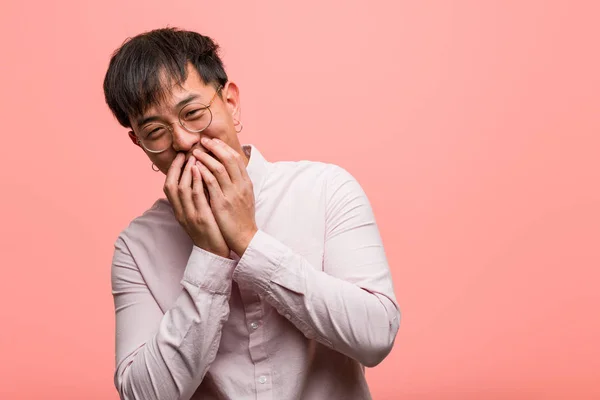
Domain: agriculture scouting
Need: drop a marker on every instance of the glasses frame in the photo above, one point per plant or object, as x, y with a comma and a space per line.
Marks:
170, 127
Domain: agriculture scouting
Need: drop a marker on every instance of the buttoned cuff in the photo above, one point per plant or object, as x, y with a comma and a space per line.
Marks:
261, 260
209, 271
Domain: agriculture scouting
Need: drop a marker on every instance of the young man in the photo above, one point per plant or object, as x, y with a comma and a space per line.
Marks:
252, 279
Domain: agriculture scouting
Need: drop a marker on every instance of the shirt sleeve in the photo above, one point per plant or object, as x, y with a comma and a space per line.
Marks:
350, 304
165, 356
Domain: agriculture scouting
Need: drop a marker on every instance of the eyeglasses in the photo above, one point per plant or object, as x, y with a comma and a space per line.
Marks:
157, 137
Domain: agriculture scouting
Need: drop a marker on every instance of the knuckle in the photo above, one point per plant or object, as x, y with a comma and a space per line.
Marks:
199, 220
180, 219
226, 204
220, 169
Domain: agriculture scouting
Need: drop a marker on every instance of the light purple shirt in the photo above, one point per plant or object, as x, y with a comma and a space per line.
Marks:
308, 305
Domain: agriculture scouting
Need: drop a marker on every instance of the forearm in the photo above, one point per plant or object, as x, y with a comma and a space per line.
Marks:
173, 361
355, 321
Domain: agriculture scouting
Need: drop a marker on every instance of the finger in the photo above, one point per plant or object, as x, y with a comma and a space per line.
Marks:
199, 191
241, 161
212, 184
226, 156
171, 183
217, 169
185, 189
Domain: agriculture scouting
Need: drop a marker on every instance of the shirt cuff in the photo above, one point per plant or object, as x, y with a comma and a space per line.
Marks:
209, 271
260, 261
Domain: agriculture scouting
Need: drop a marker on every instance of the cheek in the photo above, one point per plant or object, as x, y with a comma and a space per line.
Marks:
218, 128
222, 121
223, 128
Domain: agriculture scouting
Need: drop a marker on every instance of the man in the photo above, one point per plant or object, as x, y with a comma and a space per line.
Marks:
252, 280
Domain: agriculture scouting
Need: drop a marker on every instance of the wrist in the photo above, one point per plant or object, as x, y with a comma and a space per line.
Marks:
242, 244
221, 252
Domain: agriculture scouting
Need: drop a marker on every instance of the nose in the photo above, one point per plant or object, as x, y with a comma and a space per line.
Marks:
183, 140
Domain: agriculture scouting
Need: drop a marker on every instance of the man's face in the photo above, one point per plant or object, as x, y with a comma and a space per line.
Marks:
223, 108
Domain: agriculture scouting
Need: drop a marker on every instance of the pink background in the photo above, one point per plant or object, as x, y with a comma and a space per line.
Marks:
472, 125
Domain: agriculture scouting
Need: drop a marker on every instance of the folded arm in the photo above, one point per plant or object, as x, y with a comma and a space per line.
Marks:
348, 304
165, 356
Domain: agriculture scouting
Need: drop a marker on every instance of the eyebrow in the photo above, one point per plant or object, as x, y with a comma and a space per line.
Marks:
181, 103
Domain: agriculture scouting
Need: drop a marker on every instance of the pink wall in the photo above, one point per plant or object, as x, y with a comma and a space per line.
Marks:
472, 125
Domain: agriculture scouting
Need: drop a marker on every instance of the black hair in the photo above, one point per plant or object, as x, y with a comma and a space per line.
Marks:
143, 69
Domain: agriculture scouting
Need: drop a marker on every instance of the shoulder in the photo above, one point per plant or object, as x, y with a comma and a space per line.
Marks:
149, 225
309, 170
317, 179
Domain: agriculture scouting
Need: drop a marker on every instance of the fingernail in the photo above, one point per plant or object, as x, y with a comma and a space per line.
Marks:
205, 140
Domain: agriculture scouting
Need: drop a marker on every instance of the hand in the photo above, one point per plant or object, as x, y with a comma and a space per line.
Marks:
191, 206
231, 193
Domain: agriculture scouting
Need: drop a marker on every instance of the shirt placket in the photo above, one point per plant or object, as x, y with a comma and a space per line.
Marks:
254, 313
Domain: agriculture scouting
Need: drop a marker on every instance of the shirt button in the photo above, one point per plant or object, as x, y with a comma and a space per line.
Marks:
254, 325
262, 379
288, 316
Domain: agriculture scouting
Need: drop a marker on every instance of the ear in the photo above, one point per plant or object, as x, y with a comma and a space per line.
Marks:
231, 97
133, 138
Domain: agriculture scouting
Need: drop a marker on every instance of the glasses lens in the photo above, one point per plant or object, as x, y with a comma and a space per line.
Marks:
156, 137
195, 117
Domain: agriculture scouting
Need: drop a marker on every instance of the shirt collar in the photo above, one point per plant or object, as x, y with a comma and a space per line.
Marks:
257, 168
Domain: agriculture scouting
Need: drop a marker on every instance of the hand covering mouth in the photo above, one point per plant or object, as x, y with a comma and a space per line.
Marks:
205, 189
